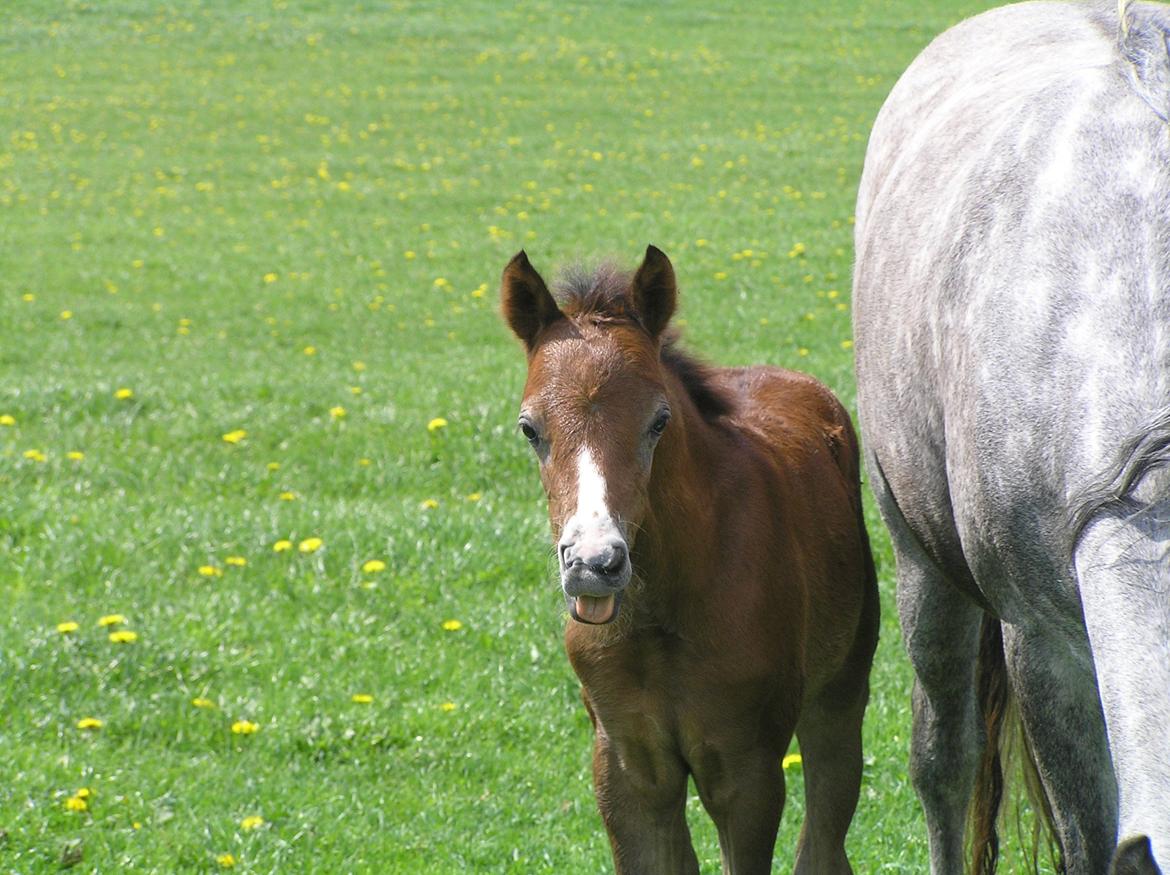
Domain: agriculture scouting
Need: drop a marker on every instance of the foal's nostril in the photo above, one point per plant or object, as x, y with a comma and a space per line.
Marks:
610, 562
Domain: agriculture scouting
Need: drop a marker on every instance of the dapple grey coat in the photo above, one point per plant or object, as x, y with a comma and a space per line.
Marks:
1012, 321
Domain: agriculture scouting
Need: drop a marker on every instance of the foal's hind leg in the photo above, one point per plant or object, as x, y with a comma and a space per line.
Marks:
830, 747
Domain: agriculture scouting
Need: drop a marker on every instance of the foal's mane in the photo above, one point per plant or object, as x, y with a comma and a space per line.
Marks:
602, 295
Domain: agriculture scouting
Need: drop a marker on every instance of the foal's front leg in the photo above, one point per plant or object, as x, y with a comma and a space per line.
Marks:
641, 792
744, 794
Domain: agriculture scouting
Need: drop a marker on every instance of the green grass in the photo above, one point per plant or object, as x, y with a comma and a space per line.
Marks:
212, 189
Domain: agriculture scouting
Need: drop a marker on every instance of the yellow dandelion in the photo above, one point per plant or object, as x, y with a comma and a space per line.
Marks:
430, 504
226, 861
28, 297
337, 412
210, 571
310, 350
75, 455
124, 394
436, 424
846, 344
359, 366
111, 620
89, 723
448, 707
288, 495
234, 437
271, 277
136, 825
273, 466
76, 803
281, 545
237, 561
67, 627
66, 314
793, 759
797, 249
452, 625
123, 636
362, 698
200, 702
252, 822
35, 455
310, 545
365, 463
7, 419
244, 727
355, 390
373, 566
83, 793
474, 496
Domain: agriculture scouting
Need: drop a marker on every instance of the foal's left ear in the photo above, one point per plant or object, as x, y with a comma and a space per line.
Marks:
527, 304
655, 291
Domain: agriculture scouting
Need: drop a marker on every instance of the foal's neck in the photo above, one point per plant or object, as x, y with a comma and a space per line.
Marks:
677, 548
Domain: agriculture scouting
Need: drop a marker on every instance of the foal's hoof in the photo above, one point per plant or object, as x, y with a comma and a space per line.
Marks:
1134, 856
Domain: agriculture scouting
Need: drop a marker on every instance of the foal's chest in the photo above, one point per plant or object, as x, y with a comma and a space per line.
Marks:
660, 694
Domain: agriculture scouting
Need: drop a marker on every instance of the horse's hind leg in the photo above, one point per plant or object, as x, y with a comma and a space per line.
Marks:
940, 628
1053, 682
941, 631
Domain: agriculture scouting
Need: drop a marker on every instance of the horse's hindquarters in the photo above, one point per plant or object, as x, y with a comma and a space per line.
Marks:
1012, 331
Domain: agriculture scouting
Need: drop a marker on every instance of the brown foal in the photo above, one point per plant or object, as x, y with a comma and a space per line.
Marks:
715, 565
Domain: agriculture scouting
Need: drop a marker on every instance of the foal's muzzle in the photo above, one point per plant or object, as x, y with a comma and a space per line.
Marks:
594, 572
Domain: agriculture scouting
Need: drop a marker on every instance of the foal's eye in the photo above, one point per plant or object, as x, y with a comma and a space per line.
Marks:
659, 425
529, 432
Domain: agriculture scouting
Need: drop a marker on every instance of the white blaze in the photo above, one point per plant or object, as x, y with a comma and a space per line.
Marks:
590, 488
592, 525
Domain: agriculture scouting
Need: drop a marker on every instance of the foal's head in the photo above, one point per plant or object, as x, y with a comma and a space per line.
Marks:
595, 407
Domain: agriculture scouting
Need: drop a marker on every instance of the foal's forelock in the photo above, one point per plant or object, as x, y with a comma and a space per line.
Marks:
599, 291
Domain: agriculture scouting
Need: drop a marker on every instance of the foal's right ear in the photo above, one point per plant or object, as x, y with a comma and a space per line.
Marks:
527, 305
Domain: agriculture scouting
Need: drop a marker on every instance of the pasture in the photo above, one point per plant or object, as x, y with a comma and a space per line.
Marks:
257, 408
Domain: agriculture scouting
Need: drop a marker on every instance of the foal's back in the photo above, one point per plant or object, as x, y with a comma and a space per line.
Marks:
793, 417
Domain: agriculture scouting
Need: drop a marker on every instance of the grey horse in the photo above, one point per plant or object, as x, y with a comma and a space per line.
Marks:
1012, 329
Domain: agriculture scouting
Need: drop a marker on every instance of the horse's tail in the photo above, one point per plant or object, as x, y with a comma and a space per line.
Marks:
1000, 722
991, 688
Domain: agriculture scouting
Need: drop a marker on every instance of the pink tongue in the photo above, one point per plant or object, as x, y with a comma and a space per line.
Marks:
592, 609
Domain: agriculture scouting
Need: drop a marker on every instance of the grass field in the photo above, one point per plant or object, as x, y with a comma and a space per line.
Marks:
257, 408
